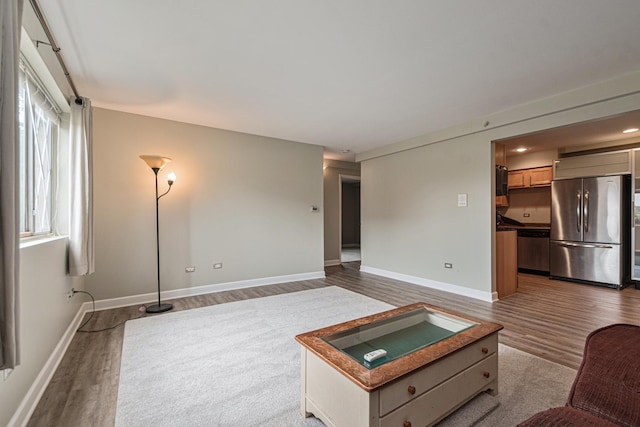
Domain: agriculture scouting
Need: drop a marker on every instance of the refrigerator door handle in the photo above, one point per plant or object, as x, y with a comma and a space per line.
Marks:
586, 211
583, 245
578, 216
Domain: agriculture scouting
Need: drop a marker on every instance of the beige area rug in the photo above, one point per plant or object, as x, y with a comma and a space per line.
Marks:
528, 384
237, 364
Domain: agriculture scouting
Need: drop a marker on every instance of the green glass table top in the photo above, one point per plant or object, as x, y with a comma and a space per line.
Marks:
398, 335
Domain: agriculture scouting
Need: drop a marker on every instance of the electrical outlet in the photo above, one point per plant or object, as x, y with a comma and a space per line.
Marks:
189, 269
448, 265
526, 214
217, 265
70, 294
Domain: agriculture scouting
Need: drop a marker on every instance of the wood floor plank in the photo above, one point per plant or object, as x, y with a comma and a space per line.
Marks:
547, 318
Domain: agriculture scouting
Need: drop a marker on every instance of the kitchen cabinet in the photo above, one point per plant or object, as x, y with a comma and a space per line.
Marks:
527, 178
540, 176
501, 154
506, 262
601, 164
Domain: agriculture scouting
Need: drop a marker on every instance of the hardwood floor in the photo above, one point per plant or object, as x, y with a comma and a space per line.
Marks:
547, 318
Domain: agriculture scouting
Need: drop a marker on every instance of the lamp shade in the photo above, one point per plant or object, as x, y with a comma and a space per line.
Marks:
155, 161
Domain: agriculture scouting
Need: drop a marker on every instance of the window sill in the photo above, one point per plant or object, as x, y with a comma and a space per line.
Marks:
34, 241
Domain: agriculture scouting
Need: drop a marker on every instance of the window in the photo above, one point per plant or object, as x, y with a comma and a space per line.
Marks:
38, 127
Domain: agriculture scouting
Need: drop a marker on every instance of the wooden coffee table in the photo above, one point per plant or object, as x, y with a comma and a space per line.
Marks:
436, 361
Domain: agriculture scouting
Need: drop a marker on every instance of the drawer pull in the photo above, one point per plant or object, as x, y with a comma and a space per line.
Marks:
485, 350
406, 424
486, 374
411, 390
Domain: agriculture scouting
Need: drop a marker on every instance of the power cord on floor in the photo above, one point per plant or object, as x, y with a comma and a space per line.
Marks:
93, 304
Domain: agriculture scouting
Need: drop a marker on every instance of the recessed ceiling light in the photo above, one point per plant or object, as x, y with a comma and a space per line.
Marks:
345, 151
521, 149
630, 130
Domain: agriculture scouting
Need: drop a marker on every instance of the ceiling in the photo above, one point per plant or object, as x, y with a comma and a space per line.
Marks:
591, 135
350, 75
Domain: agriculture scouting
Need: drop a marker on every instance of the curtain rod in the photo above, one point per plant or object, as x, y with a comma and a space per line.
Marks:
55, 48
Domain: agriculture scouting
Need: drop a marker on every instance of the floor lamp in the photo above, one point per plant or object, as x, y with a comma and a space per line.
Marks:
156, 163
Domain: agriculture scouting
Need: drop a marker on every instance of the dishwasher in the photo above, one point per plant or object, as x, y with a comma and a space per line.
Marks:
533, 251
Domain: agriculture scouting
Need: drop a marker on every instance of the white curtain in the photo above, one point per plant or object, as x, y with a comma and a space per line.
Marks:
10, 27
81, 248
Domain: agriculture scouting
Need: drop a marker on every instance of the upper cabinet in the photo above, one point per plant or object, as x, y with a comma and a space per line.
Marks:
600, 164
501, 154
527, 178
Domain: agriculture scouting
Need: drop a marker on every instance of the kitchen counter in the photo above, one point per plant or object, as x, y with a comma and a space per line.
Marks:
532, 246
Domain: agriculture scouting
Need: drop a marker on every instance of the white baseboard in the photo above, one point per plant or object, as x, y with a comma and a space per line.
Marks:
107, 304
332, 262
30, 401
441, 286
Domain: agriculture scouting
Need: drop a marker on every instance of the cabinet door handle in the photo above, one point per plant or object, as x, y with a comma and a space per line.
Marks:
411, 390
406, 424
486, 374
485, 350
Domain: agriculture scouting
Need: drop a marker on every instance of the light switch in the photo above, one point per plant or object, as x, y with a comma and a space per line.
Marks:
462, 200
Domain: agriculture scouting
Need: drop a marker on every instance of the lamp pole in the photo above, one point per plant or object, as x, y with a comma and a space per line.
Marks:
159, 307
156, 163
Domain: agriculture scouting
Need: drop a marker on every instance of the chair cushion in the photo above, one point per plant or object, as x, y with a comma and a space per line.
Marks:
608, 382
565, 417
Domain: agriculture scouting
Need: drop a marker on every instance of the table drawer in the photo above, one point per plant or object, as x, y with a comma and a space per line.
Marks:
446, 397
411, 386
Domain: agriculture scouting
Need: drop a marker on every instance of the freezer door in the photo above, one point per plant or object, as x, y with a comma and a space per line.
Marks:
602, 209
592, 262
566, 209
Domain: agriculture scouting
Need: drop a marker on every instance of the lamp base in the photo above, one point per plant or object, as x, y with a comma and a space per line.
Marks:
159, 308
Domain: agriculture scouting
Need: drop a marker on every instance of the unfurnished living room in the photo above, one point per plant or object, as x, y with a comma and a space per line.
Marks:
308, 213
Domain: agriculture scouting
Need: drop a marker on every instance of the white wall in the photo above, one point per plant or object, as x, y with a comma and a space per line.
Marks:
534, 202
239, 199
45, 315
531, 160
411, 224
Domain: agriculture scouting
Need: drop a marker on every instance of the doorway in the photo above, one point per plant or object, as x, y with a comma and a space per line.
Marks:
349, 218
529, 157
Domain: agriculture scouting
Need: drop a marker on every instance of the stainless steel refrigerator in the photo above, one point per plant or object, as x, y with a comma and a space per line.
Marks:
590, 230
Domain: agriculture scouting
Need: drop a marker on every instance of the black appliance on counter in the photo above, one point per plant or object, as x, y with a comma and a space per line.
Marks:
502, 181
